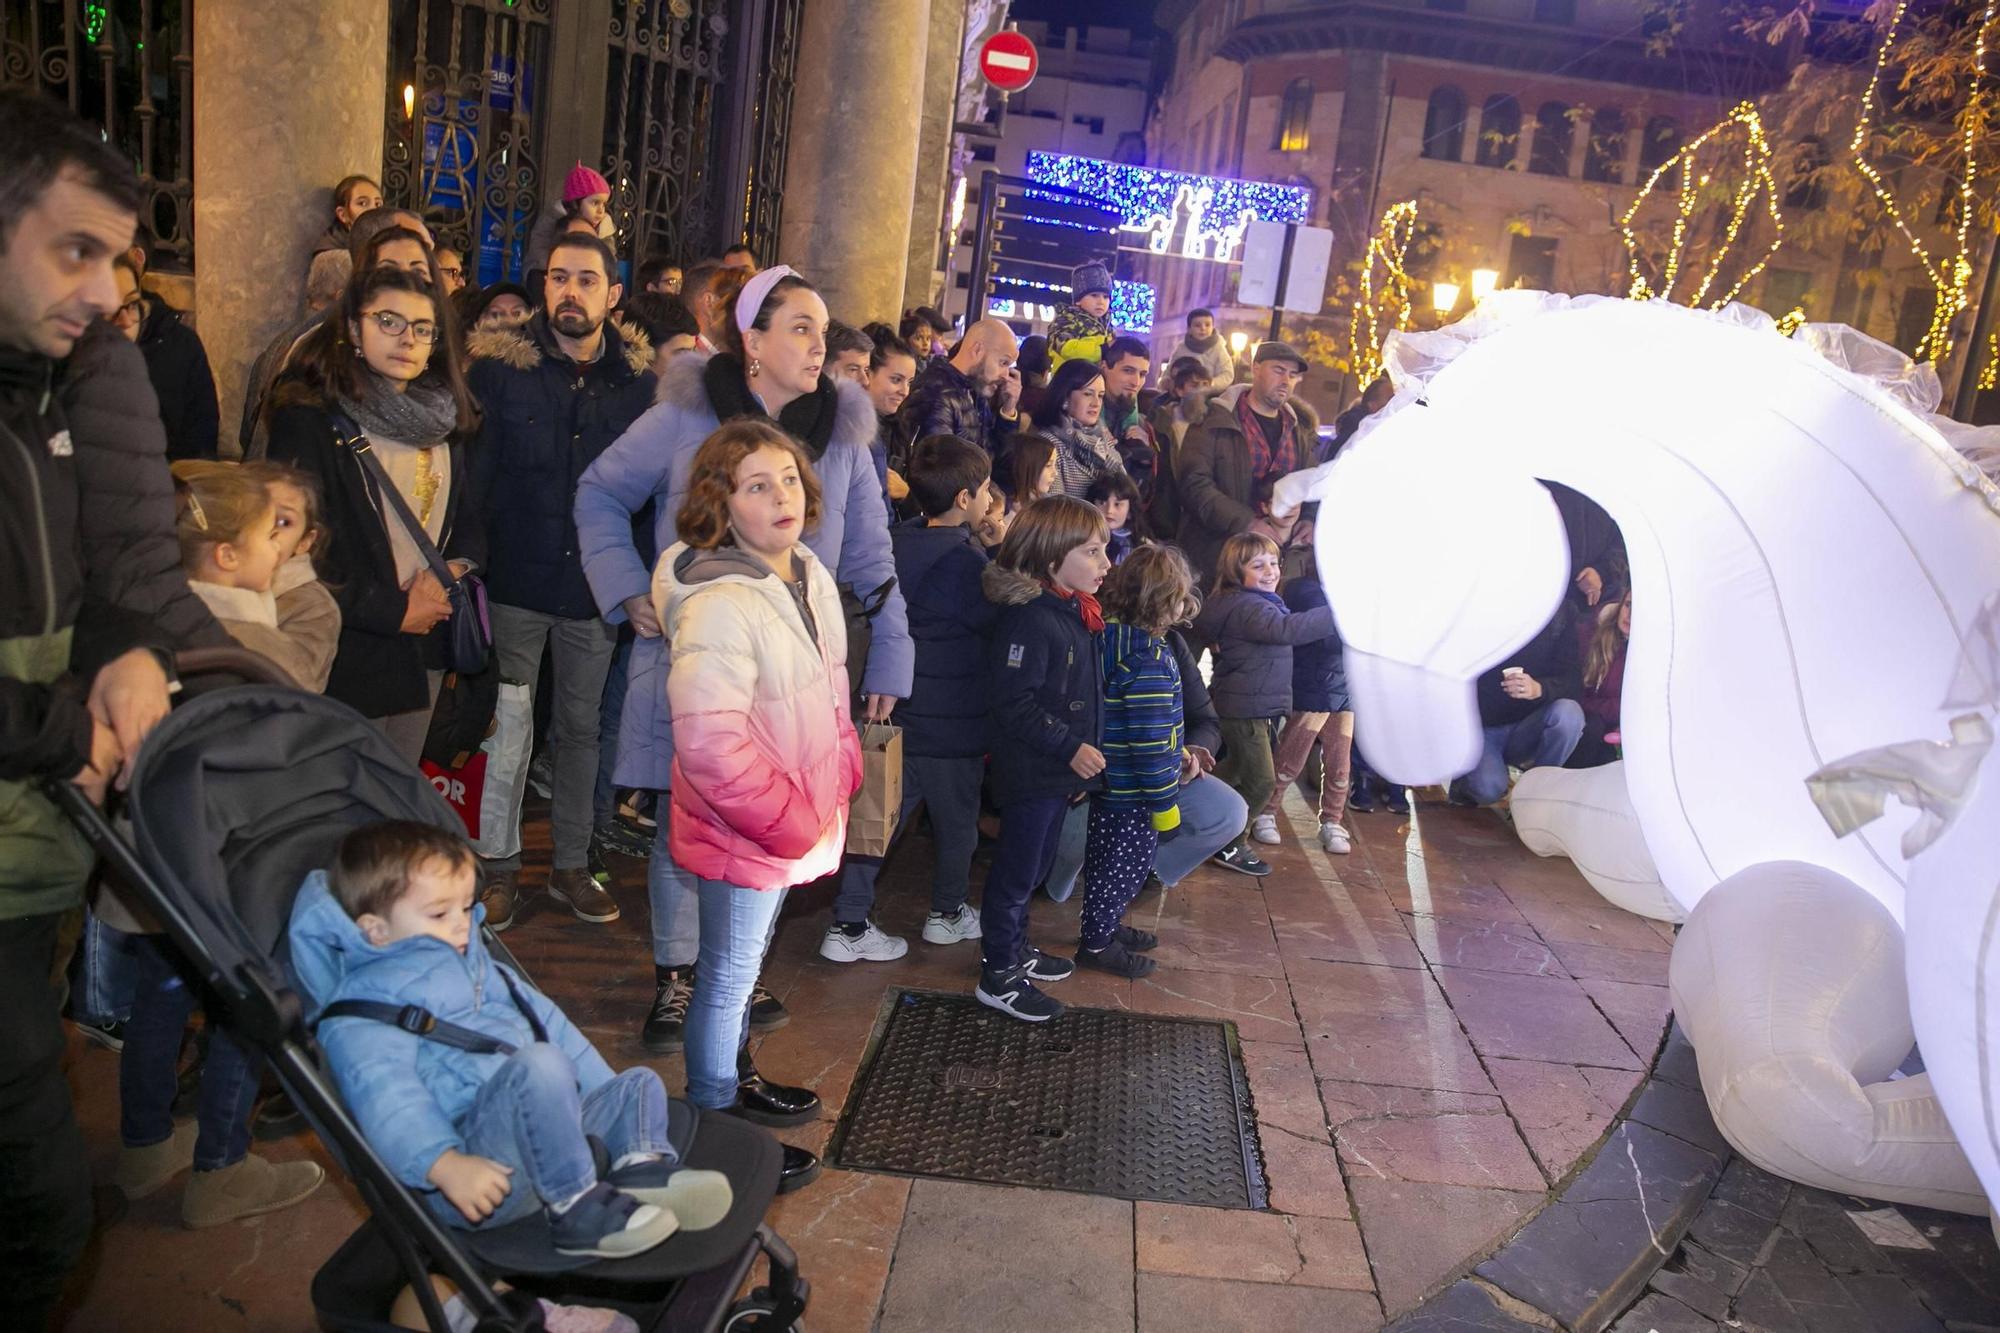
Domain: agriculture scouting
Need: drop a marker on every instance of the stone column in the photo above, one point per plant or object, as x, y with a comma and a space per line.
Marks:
945, 48
289, 97
851, 168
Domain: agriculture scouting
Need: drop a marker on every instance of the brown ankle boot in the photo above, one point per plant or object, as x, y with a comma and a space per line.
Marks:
141, 1171
246, 1189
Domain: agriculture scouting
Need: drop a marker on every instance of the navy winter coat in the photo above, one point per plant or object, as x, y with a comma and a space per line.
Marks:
177, 364
546, 420
1254, 634
1047, 690
939, 571
1319, 671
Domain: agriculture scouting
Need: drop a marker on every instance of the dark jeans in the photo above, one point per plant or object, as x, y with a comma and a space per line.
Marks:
949, 789
162, 1003
1116, 862
44, 1179
1029, 832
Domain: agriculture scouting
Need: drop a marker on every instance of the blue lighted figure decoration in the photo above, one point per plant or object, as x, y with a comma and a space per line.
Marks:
1207, 214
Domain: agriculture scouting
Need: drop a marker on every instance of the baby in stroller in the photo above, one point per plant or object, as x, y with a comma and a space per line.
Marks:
471, 1084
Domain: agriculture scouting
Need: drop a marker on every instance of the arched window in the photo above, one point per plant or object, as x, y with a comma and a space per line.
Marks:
1548, 155
1662, 140
1499, 131
1604, 155
1444, 125
1294, 130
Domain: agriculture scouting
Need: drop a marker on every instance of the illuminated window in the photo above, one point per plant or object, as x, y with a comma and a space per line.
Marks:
1548, 155
1604, 154
1444, 125
1499, 131
1294, 132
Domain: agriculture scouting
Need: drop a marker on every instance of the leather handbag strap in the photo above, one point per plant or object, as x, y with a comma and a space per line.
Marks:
351, 436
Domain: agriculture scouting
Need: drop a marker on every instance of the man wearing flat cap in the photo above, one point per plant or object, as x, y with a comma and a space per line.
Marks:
1251, 435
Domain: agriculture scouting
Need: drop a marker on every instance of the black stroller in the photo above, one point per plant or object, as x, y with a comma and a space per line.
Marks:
236, 796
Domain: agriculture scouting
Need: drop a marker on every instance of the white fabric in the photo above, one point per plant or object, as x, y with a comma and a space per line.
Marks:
1805, 553
1790, 983
1586, 815
509, 751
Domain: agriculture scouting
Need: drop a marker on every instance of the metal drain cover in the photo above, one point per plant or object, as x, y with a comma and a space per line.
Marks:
1098, 1101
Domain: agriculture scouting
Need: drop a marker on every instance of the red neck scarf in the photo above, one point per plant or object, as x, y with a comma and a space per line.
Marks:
1086, 606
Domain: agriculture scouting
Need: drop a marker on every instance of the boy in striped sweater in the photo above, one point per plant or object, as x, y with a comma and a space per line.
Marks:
1147, 595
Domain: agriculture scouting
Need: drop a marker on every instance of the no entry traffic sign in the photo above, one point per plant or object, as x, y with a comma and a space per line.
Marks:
1008, 61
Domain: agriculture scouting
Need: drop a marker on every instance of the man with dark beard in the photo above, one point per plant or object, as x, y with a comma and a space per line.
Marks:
556, 392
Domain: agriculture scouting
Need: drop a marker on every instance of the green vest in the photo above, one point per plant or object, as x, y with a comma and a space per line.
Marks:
43, 859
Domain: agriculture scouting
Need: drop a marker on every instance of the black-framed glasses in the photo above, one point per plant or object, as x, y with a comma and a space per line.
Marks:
132, 309
394, 325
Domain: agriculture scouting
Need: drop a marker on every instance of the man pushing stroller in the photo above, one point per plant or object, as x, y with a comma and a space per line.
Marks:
472, 1086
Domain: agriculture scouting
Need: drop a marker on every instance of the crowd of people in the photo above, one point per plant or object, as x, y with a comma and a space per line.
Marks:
716, 529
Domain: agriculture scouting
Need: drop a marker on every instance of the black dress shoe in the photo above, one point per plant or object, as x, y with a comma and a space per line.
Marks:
801, 1169
763, 1102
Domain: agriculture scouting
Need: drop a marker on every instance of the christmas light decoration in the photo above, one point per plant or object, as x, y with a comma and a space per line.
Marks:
1132, 303
1756, 180
1371, 319
1991, 375
1791, 321
1208, 214
1132, 307
1953, 279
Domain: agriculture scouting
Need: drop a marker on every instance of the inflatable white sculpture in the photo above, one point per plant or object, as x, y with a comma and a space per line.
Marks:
1586, 815
1811, 557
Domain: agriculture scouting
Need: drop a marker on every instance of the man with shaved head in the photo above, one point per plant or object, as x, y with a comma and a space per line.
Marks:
955, 397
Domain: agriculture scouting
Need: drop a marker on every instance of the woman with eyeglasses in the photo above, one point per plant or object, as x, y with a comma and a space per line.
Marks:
176, 363
383, 366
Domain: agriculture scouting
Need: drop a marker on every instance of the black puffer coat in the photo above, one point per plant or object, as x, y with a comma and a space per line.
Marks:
1254, 634
1047, 689
177, 364
130, 556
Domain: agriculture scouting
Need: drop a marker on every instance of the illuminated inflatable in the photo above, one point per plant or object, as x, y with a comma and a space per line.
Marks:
1812, 557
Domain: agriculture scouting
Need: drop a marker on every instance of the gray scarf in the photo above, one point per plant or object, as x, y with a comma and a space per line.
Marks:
421, 416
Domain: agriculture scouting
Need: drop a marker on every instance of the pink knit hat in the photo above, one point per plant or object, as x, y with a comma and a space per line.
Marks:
582, 183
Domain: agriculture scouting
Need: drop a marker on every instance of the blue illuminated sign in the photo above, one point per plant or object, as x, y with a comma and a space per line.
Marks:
1198, 217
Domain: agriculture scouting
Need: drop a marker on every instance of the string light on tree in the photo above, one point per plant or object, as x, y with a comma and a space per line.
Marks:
1755, 182
1791, 321
1951, 276
1372, 319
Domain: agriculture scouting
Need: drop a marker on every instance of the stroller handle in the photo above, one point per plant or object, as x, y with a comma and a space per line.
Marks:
252, 668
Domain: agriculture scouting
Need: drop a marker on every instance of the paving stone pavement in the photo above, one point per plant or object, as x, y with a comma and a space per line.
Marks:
1437, 1030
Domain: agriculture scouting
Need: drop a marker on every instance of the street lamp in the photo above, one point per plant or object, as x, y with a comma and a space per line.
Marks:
1237, 342
1444, 297
1484, 280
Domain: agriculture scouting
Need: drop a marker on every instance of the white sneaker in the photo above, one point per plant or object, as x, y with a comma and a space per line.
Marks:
870, 946
954, 929
1264, 828
1334, 838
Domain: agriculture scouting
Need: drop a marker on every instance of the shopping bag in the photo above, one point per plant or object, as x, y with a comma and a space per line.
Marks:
871, 817
463, 788
507, 750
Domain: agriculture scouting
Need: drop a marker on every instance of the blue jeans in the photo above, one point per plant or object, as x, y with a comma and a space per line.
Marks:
148, 1075
1029, 831
101, 976
530, 1117
670, 893
736, 929
1121, 848
1543, 738
1071, 842
1212, 814
949, 788
604, 798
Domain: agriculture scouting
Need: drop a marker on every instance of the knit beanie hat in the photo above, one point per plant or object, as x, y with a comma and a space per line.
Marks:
582, 183
1087, 278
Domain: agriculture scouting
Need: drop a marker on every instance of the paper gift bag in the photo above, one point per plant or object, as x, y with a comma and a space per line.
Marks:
871, 818
463, 788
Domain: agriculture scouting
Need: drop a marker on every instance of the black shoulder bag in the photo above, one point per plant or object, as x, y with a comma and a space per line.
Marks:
469, 633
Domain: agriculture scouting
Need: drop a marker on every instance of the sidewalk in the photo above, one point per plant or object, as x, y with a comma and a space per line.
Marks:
1437, 1028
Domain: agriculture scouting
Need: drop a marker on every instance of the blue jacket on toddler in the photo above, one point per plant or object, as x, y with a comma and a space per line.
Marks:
1142, 725
408, 1094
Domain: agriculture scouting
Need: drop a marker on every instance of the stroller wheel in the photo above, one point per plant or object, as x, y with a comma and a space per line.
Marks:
758, 1313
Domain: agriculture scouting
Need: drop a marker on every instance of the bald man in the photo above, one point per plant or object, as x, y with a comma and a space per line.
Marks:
973, 395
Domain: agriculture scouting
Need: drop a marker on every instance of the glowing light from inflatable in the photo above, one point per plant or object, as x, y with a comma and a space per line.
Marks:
1807, 555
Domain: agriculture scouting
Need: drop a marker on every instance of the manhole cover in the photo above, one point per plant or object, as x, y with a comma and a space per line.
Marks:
1098, 1101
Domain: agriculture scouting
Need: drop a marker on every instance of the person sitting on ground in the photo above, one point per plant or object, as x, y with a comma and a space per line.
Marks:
1251, 435
1080, 329
354, 196
176, 363
1597, 564
1602, 639
1204, 344
1254, 633
1529, 711
945, 728
486, 1136
955, 396
1072, 415
1048, 731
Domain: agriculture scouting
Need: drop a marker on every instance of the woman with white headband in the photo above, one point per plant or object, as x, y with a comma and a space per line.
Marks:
770, 366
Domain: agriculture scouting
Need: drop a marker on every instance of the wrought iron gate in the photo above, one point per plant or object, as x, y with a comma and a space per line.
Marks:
128, 65
463, 145
692, 84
